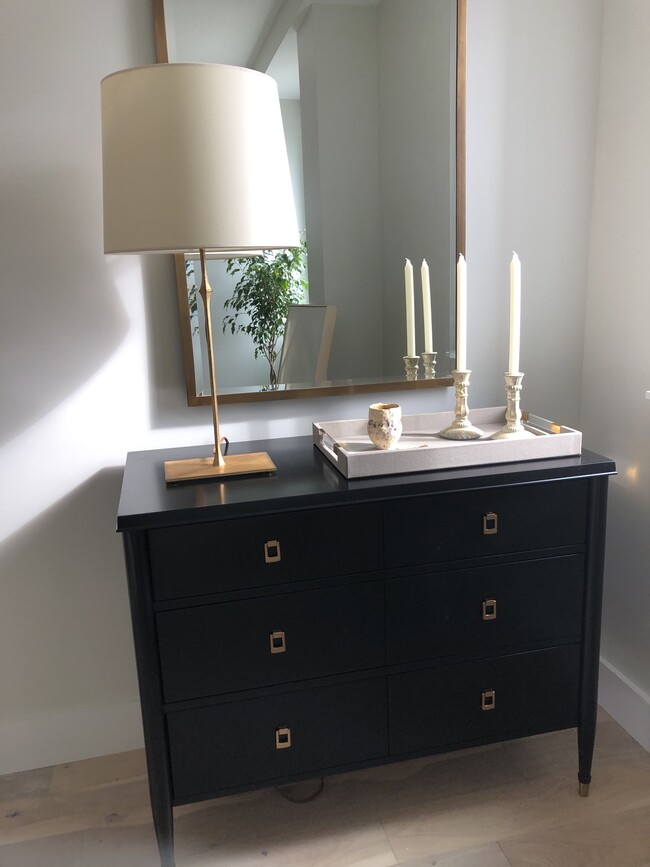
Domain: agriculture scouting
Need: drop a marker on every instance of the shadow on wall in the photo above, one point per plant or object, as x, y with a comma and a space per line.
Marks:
65, 636
168, 406
61, 317
167, 398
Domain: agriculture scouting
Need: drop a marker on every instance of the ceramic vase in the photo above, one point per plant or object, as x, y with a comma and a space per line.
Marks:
385, 424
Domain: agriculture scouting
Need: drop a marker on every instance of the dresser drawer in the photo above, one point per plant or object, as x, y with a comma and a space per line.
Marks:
485, 608
485, 522
276, 639
253, 552
275, 736
453, 705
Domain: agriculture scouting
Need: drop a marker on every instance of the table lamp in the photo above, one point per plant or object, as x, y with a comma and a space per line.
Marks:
194, 159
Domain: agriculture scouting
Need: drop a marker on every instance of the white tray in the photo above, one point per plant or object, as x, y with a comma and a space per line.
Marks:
420, 448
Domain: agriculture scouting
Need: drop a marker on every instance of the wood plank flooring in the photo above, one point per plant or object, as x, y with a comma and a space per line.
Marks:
506, 805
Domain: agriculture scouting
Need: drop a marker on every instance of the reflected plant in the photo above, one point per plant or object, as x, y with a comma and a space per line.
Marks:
192, 294
267, 285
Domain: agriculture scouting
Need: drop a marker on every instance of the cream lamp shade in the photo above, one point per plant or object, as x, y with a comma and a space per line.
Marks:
194, 156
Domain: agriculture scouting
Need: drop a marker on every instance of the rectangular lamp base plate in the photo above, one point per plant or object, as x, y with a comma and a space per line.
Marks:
205, 468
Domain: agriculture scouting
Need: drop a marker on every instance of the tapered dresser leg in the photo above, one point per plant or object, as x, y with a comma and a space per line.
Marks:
163, 822
594, 569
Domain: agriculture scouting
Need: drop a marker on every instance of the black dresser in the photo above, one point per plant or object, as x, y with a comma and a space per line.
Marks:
301, 624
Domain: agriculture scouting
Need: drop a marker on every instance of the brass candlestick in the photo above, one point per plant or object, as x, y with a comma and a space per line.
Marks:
461, 428
513, 428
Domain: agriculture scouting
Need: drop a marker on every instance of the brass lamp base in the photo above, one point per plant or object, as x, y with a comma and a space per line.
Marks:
219, 466
205, 468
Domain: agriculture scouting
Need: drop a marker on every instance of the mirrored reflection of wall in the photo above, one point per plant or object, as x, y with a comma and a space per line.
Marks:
337, 52
353, 88
417, 166
377, 105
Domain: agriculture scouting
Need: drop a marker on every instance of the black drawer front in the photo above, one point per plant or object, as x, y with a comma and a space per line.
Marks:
451, 705
259, 551
276, 639
485, 608
237, 744
482, 523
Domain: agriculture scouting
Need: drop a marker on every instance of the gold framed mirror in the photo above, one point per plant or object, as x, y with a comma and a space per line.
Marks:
355, 364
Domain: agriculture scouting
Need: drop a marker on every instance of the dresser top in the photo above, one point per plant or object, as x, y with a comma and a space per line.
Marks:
306, 479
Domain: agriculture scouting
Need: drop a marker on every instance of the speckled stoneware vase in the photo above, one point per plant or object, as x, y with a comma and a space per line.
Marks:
385, 424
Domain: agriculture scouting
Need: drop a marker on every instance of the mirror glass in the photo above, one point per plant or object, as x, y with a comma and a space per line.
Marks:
369, 103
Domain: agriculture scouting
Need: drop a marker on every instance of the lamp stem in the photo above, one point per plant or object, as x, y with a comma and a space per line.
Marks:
205, 292
216, 466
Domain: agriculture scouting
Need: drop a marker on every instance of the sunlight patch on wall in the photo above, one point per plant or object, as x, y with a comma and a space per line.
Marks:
95, 426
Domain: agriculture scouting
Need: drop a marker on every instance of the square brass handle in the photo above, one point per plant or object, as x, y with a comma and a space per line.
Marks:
488, 699
282, 738
490, 524
272, 551
489, 609
278, 642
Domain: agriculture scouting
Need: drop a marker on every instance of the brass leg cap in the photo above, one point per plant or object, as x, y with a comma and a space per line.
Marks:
583, 790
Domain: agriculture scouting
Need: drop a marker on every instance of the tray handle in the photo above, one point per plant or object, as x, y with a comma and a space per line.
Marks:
326, 442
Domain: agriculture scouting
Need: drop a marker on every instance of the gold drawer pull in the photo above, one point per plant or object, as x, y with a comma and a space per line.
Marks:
490, 524
272, 551
488, 699
282, 738
489, 609
278, 642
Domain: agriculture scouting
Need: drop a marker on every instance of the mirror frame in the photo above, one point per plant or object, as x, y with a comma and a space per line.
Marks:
193, 399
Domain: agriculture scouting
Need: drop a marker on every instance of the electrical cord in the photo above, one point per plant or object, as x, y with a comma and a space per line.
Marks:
283, 790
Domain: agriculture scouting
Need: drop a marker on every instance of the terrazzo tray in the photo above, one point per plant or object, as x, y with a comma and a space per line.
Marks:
421, 448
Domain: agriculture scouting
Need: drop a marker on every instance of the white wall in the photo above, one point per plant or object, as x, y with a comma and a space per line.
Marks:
533, 70
616, 370
75, 385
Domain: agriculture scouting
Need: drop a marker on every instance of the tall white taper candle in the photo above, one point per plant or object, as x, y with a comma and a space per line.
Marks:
410, 309
515, 314
461, 314
426, 307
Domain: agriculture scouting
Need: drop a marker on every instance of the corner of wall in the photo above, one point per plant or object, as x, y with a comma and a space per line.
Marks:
625, 702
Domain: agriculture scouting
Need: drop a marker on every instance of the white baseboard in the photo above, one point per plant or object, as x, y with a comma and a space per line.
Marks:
624, 701
69, 734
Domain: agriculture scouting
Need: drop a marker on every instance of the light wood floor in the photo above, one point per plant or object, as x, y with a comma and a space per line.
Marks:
507, 805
